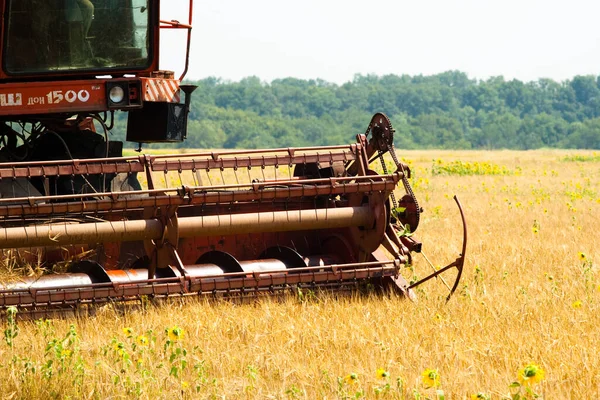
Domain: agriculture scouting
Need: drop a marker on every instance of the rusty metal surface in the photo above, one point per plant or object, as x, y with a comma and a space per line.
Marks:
319, 222
85, 167
187, 162
154, 229
282, 189
229, 283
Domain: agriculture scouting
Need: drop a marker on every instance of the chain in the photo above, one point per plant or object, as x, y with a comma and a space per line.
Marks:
385, 171
386, 143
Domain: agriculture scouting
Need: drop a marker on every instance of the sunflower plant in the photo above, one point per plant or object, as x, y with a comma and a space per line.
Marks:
178, 353
383, 380
61, 358
12, 329
431, 378
349, 386
528, 377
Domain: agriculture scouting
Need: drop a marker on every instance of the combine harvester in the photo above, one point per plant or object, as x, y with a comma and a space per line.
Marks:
218, 223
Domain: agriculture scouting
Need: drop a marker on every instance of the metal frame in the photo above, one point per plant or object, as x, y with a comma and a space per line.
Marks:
178, 25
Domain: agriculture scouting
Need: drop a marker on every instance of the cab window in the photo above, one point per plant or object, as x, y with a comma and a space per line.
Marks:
64, 35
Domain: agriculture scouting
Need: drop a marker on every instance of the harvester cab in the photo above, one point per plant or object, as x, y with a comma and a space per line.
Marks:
220, 223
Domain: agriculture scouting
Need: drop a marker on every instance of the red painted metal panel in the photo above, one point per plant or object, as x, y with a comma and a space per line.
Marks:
52, 97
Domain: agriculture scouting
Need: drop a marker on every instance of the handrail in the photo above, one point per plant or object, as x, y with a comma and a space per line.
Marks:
174, 24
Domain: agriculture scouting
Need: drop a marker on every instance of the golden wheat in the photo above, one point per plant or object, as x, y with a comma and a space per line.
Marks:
529, 296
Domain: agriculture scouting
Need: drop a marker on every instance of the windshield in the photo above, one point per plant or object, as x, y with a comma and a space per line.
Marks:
66, 35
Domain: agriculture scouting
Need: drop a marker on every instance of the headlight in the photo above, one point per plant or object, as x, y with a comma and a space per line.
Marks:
116, 94
123, 94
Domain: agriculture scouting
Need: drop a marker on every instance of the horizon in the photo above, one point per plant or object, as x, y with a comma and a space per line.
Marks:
478, 80
334, 40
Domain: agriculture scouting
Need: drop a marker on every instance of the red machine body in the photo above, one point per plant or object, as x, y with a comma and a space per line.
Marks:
228, 222
66, 67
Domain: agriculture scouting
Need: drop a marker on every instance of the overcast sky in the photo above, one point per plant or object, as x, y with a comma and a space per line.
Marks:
334, 39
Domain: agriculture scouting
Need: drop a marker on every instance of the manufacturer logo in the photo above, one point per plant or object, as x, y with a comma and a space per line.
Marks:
11, 99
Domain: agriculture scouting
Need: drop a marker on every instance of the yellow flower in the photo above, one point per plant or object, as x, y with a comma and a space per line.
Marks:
535, 229
577, 304
118, 346
531, 375
128, 331
431, 378
66, 353
382, 373
480, 396
175, 333
184, 385
582, 256
351, 379
142, 340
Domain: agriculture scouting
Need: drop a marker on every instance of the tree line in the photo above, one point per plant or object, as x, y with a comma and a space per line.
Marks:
446, 111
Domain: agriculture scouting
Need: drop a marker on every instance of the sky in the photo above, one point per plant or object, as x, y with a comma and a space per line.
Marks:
334, 40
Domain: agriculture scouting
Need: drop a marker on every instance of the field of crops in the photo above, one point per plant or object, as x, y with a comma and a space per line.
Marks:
523, 323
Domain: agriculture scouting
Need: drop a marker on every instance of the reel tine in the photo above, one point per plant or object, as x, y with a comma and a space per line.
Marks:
436, 270
235, 171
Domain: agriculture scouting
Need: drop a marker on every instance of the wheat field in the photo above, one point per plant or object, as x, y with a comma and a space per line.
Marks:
529, 297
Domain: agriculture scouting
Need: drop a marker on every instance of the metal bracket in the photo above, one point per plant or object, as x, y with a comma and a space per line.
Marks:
163, 252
